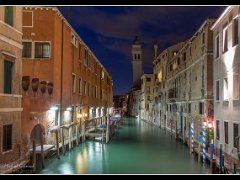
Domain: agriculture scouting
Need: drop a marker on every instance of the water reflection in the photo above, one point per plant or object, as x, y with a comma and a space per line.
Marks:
137, 148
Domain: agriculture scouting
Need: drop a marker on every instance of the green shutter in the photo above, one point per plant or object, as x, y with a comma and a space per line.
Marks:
7, 77
9, 15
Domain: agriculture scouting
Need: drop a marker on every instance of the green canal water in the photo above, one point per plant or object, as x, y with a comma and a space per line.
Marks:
136, 148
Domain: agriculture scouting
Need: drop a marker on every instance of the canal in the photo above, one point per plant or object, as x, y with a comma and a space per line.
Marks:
136, 148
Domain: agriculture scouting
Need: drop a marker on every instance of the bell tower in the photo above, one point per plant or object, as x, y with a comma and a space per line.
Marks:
136, 63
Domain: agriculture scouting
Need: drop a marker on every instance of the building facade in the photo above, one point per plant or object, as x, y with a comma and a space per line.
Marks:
147, 110
10, 88
160, 77
63, 82
226, 83
189, 84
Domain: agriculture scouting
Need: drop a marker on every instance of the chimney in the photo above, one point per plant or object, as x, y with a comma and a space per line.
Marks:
155, 50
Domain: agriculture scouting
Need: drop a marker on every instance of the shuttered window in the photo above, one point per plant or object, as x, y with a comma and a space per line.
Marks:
7, 137
8, 17
235, 135
8, 77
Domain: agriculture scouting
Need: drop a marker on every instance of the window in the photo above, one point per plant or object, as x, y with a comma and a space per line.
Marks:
190, 51
217, 46
148, 89
73, 83
8, 17
171, 67
217, 90
189, 107
85, 57
139, 56
201, 108
135, 56
8, 77
203, 38
148, 79
218, 129
184, 56
225, 39
225, 88
42, 50
226, 131
235, 135
235, 87
27, 50
85, 88
7, 137
178, 61
79, 51
89, 89
93, 91
148, 98
79, 86
235, 32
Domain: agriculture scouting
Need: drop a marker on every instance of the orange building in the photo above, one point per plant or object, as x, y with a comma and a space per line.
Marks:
62, 80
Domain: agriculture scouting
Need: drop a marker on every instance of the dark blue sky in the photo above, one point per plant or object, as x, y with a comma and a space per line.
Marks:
109, 32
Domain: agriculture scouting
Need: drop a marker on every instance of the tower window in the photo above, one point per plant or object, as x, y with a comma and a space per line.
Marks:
135, 56
138, 56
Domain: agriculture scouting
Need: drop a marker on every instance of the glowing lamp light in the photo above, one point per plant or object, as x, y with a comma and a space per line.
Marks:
69, 109
85, 114
210, 125
79, 115
54, 108
205, 123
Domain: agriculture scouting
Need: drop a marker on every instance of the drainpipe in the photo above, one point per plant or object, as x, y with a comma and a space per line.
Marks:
61, 82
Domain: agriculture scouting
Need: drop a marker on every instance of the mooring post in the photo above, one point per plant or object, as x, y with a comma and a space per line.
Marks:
42, 150
234, 168
211, 150
220, 159
57, 143
63, 146
214, 166
34, 156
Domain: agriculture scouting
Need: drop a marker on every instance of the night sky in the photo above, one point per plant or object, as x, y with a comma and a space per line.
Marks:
109, 32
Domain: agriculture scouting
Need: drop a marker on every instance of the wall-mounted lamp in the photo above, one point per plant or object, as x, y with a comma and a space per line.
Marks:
55, 108
69, 109
204, 123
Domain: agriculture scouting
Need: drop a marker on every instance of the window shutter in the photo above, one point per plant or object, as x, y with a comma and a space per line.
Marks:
7, 77
9, 15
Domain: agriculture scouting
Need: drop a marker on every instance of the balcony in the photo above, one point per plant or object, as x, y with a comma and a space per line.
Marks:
10, 101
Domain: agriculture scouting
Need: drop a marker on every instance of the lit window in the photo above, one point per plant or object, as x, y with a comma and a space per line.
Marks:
225, 88
225, 39
42, 50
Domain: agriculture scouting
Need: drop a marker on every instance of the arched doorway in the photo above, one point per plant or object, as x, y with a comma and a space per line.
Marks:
37, 134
